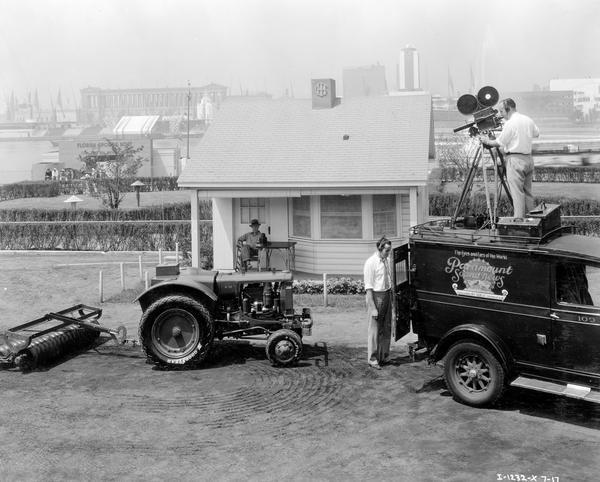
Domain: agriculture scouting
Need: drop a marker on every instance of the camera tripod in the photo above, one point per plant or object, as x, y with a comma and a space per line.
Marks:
499, 179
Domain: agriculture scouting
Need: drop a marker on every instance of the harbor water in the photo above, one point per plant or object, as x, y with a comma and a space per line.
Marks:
18, 156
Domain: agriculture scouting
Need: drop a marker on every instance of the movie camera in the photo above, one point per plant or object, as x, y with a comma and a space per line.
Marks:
485, 120
485, 117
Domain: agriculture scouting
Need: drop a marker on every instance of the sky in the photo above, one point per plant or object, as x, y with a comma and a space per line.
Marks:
279, 45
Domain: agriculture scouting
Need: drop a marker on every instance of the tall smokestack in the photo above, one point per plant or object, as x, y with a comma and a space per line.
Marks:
408, 69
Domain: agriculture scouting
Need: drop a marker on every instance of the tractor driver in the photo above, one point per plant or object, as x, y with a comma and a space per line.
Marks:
250, 244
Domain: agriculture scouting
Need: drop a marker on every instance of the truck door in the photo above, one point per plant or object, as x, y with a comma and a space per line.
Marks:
401, 290
575, 315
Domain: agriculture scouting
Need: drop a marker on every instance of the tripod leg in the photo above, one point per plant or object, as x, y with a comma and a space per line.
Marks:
487, 194
502, 171
468, 184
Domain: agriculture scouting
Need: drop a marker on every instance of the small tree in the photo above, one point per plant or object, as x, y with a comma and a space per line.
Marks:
112, 170
456, 152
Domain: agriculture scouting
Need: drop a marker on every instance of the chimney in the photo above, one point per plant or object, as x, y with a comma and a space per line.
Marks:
323, 93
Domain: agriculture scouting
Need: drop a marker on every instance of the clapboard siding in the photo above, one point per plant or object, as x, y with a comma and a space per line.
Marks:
343, 257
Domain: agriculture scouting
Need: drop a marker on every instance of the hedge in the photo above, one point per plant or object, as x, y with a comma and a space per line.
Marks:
444, 204
343, 285
587, 227
29, 189
175, 211
107, 236
80, 186
577, 174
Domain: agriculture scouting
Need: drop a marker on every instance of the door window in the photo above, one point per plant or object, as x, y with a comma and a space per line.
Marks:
578, 284
252, 208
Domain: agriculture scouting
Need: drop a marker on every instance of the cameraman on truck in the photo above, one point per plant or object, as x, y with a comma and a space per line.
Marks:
515, 140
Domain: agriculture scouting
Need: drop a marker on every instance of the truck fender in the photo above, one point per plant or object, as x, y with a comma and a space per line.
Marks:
475, 332
195, 290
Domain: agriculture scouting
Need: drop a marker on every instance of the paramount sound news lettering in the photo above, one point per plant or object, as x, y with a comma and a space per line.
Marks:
483, 270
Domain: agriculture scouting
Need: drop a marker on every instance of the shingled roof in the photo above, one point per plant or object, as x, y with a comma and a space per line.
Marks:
285, 143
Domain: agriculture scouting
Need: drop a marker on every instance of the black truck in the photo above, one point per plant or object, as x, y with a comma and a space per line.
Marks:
516, 305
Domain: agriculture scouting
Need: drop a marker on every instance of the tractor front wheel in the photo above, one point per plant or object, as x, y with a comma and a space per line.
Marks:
284, 348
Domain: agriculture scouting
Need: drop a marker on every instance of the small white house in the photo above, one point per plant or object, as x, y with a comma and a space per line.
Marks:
331, 175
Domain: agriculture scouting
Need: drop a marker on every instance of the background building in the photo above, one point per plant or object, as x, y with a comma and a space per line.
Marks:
586, 96
545, 105
107, 106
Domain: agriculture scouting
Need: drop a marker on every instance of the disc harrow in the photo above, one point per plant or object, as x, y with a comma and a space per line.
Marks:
53, 336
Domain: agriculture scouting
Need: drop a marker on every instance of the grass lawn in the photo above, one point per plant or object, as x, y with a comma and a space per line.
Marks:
146, 199
36, 282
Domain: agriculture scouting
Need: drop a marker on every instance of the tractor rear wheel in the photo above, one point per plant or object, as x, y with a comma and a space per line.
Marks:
176, 330
284, 348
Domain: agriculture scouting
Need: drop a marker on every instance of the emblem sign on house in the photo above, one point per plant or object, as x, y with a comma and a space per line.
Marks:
323, 93
321, 89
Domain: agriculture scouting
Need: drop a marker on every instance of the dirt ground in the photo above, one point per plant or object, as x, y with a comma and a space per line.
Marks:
105, 414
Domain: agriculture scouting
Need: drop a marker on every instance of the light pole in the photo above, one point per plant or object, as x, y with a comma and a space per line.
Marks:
189, 99
137, 185
73, 200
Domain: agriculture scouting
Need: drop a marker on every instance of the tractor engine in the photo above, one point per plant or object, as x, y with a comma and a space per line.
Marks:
267, 299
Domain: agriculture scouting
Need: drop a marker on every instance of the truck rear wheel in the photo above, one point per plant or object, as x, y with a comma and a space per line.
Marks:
176, 331
284, 348
473, 374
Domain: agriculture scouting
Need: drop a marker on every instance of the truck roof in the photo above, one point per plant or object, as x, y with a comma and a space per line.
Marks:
575, 246
558, 242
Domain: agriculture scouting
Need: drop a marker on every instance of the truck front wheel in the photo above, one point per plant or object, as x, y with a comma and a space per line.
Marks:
175, 331
473, 374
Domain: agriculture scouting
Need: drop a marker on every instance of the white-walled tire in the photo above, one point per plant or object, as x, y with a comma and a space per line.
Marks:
473, 374
176, 331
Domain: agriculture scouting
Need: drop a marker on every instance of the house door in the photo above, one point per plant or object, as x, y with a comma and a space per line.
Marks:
401, 290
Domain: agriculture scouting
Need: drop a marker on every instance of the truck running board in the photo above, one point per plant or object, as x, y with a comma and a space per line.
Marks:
569, 390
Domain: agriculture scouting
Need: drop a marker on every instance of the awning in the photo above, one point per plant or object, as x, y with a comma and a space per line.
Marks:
135, 125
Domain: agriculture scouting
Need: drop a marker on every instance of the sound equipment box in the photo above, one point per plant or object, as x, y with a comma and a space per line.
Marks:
541, 220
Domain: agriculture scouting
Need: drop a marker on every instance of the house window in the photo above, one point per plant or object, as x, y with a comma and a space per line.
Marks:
384, 215
341, 217
301, 216
252, 208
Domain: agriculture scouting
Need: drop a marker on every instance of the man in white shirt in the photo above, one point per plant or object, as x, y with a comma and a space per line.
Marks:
516, 141
378, 285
